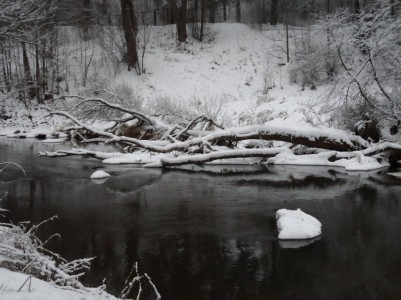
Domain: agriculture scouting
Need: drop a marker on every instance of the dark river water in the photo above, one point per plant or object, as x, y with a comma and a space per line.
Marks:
212, 234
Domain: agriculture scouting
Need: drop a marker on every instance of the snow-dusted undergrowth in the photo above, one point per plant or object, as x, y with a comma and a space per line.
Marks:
30, 265
28, 270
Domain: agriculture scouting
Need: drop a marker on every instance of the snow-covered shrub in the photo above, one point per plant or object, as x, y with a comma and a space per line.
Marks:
367, 46
112, 41
126, 93
23, 252
184, 110
170, 110
313, 60
212, 107
268, 80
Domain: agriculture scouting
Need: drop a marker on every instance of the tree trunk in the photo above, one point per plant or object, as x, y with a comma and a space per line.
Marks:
357, 6
273, 12
130, 27
38, 77
4, 68
180, 17
182, 24
44, 77
86, 19
392, 4
238, 10
202, 21
27, 72
287, 37
225, 10
212, 11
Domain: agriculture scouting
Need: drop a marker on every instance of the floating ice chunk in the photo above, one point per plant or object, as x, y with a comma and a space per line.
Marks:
99, 174
297, 225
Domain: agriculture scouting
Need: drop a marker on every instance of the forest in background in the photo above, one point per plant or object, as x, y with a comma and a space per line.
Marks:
56, 50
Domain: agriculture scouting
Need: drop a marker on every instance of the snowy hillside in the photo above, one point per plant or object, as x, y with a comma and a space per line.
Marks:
238, 75
241, 67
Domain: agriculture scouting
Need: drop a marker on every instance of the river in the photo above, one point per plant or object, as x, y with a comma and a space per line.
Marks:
212, 234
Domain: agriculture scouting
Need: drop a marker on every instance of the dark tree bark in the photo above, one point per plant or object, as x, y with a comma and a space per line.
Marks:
130, 26
39, 87
180, 17
202, 20
238, 11
225, 10
357, 6
4, 68
273, 12
27, 72
212, 5
392, 4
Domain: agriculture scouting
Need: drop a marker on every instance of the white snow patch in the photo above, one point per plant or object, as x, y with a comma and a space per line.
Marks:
395, 174
36, 289
99, 175
297, 225
53, 141
357, 163
360, 163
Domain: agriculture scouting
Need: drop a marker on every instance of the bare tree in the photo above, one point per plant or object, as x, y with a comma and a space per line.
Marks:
23, 25
179, 10
273, 12
130, 27
238, 11
185, 144
368, 51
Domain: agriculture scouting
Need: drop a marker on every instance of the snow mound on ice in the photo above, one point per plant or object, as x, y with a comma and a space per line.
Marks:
99, 174
297, 225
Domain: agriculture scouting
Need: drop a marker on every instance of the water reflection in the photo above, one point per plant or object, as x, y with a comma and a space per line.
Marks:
295, 244
209, 236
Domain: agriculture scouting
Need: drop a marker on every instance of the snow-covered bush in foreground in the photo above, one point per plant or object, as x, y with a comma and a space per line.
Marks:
22, 251
29, 271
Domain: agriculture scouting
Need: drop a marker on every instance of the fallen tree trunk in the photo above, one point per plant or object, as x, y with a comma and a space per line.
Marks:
317, 138
182, 144
218, 155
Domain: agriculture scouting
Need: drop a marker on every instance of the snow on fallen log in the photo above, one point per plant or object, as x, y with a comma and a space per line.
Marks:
297, 225
325, 138
361, 163
100, 174
356, 161
186, 159
53, 141
81, 152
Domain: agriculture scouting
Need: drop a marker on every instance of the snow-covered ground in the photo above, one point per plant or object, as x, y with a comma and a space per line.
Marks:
18, 286
237, 76
231, 68
225, 76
